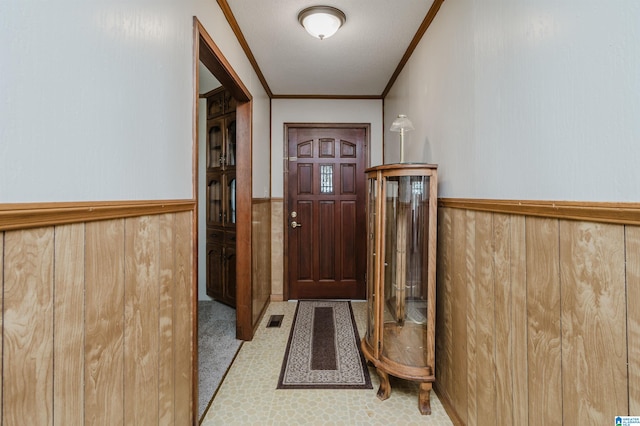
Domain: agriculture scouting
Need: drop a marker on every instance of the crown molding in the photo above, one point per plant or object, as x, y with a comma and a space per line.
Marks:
231, 19
431, 14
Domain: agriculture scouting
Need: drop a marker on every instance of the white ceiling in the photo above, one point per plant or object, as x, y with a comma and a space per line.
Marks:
359, 60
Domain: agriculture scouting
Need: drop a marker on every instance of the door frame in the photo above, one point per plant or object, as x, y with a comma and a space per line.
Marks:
207, 52
286, 207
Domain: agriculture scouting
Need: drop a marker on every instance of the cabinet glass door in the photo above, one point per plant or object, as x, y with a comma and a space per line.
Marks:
215, 104
405, 300
230, 159
372, 184
214, 154
230, 213
214, 188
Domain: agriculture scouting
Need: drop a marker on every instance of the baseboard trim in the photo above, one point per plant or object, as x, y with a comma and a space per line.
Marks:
34, 215
619, 213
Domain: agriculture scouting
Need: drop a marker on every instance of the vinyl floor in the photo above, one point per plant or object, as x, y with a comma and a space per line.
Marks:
248, 394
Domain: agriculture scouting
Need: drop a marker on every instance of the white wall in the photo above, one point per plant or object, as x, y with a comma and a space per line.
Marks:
320, 111
261, 148
202, 198
526, 100
96, 98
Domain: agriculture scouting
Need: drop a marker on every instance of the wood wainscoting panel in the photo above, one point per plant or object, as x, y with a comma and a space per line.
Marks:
594, 339
443, 304
452, 286
184, 320
458, 292
104, 324
2, 316
469, 267
166, 322
97, 322
543, 310
141, 324
519, 320
503, 319
27, 370
261, 258
633, 315
277, 249
485, 320
549, 309
68, 343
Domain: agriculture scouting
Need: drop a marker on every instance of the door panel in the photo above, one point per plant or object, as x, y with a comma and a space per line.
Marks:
214, 270
304, 252
326, 240
349, 215
326, 200
230, 270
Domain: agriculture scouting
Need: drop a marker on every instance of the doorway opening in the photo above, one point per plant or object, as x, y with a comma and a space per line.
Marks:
209, 56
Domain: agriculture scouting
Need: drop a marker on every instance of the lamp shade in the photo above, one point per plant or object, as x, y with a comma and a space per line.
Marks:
401, 123
321, 21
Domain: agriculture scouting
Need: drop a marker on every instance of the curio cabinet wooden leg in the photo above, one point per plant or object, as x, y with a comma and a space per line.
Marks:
384, 391
424, 403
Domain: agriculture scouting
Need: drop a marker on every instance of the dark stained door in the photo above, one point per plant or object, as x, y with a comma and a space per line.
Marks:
326, 228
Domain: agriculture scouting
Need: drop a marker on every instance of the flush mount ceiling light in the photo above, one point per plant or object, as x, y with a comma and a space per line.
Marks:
321, 21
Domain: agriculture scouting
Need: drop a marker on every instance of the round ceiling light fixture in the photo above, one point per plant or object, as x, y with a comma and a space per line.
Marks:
321, 21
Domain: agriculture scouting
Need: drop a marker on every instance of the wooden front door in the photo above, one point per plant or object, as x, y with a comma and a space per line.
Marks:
325, 217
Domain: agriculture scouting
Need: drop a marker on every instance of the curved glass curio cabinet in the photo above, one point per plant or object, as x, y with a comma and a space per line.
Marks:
401, 273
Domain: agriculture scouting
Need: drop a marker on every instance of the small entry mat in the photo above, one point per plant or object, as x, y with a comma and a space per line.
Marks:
323, 351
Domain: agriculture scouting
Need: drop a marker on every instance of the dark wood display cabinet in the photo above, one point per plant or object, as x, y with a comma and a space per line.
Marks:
221, 196
401, 275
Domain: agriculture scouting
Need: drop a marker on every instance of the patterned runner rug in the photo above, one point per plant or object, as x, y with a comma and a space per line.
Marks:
324, 349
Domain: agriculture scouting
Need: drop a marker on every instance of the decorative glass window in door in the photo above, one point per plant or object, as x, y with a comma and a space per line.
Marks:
326, 178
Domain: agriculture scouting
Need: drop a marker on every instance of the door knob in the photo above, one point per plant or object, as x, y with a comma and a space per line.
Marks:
295, 224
